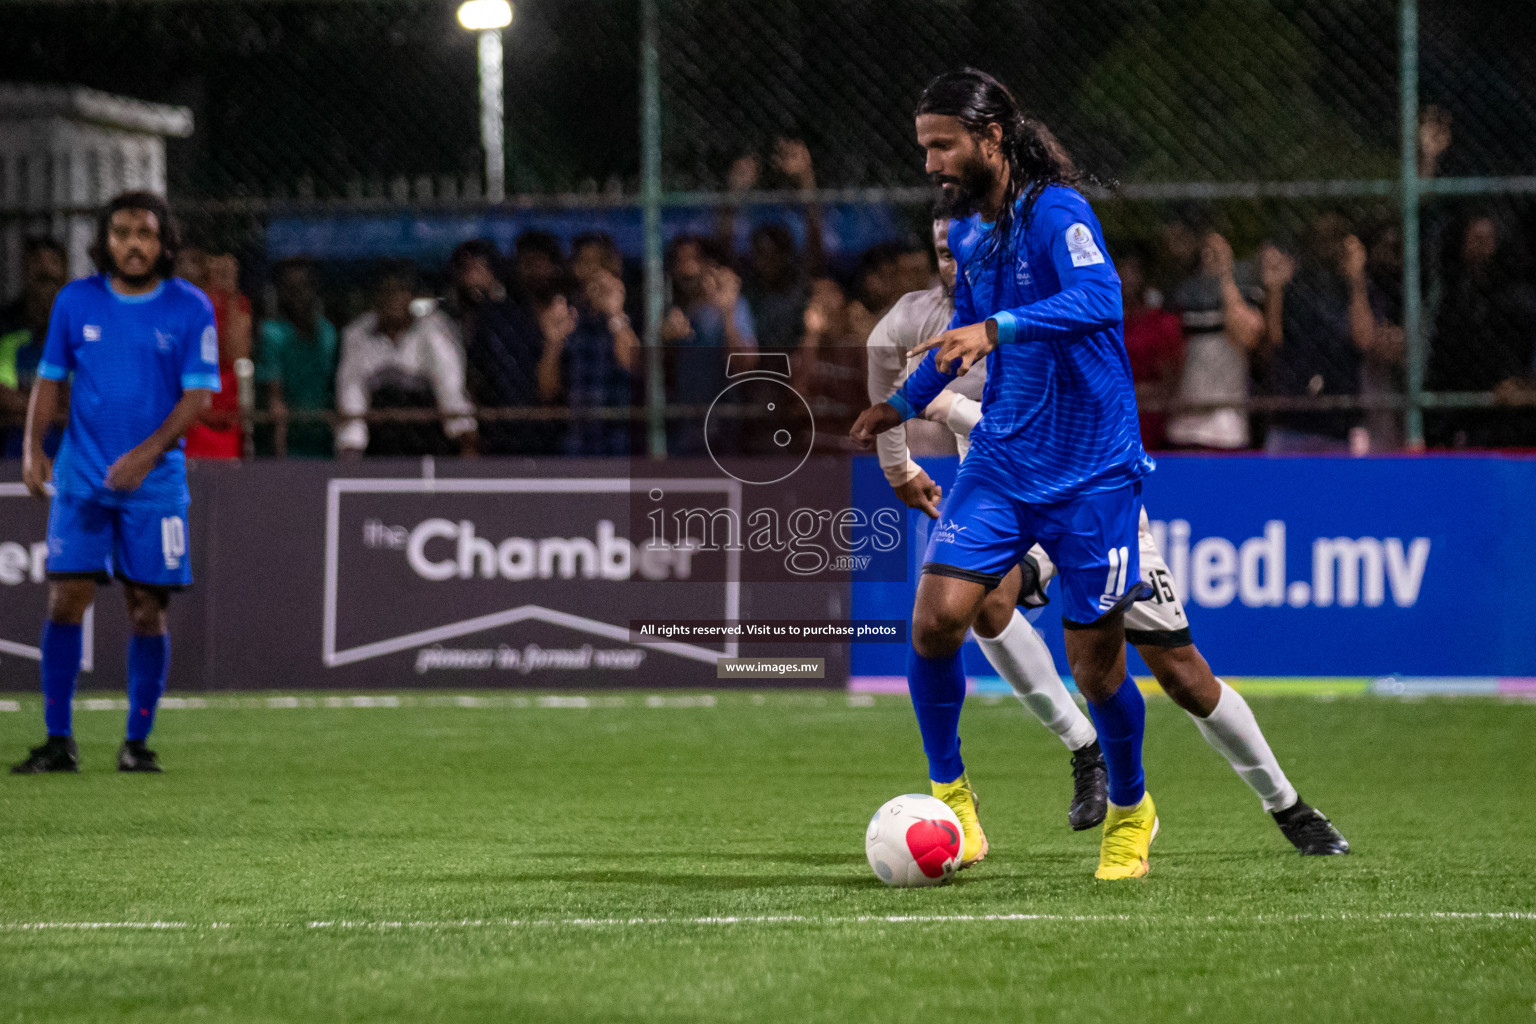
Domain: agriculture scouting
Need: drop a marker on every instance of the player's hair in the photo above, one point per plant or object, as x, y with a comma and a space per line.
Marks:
1035, 158
170, 233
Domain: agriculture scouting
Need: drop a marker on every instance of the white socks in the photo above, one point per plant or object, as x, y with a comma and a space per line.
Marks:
1021, 657
1231, 729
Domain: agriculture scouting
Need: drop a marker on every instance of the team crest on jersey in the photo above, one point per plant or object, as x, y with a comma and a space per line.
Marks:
163, 340
91, 332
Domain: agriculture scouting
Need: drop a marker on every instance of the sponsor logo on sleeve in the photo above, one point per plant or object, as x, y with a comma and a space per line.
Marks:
1084, 250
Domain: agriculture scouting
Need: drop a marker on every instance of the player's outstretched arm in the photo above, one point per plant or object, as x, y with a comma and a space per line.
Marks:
42, 409
1089, 300
959, 348
1069, 315
130, 469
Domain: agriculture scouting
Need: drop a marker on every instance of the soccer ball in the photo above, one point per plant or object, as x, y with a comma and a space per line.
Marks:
914, 840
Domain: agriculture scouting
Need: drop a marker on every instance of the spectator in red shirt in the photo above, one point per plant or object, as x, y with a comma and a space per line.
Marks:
1154, 341
217, 435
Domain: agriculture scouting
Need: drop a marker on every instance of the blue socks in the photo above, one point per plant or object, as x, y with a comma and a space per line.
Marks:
1120, 722
938, 692
148, 659
61, 663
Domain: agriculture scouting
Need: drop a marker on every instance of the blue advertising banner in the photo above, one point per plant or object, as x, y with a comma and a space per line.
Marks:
848, 229
1318, 567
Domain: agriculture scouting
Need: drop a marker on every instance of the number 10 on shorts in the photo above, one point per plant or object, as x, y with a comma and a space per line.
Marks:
173, 540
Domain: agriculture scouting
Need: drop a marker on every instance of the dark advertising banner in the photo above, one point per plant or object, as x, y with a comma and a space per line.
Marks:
474, 573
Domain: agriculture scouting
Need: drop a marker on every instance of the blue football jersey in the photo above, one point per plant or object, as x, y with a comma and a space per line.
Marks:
1059, 408
130, 359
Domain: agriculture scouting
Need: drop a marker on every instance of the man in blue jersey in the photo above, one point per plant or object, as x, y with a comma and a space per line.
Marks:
1057, 456
142, 355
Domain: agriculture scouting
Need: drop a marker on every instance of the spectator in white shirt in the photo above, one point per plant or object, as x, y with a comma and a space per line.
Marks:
393, 358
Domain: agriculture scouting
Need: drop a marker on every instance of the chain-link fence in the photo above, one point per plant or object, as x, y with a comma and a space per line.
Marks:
1249, 162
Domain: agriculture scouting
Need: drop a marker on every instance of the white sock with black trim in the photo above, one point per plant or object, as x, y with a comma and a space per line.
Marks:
1021, 657
1232, 730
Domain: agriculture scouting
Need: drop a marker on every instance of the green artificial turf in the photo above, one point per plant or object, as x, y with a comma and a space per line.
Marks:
529, 863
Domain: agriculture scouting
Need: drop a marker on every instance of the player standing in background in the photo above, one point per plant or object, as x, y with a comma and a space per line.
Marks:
1058, 457
1157, 628
143, 354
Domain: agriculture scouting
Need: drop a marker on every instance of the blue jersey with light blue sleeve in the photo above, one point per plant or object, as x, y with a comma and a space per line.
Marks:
1059, 408
130, 358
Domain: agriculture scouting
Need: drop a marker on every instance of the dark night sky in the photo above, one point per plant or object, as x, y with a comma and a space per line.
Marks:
1205, 90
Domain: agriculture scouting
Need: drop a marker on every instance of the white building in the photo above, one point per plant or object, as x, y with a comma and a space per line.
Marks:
64, 151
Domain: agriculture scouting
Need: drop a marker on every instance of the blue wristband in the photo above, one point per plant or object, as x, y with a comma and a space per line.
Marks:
1007, 326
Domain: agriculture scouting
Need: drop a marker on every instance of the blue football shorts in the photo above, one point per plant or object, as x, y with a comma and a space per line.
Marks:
983, 532
137, 541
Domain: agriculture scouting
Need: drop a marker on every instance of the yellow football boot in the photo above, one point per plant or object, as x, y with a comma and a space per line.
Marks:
1128, 835
962, 799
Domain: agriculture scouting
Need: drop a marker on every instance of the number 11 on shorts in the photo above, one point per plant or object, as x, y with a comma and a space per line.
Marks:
1114, 586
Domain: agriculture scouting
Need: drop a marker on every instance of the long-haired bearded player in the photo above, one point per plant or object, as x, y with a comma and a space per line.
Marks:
142, 351
1057, 456
1157, 627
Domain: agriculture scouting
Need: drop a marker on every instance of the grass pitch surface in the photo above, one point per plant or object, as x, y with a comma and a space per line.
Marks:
628, 862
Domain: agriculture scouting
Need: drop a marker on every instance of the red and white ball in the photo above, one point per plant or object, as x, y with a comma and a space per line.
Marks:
914, 840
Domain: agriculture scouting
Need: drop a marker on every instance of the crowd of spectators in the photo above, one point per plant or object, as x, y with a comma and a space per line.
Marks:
535, 351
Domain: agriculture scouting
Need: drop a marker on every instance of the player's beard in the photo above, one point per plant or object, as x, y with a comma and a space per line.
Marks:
135, 280
961, 193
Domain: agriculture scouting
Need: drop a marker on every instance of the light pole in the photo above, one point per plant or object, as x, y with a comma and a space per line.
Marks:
488, 18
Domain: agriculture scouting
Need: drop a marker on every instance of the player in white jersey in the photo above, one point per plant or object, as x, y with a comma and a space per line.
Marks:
1158, 627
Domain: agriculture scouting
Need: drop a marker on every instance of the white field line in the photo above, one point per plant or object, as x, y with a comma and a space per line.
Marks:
553, 701
1495, 916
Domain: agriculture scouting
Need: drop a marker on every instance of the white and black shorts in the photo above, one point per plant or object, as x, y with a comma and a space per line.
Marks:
1158, 621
